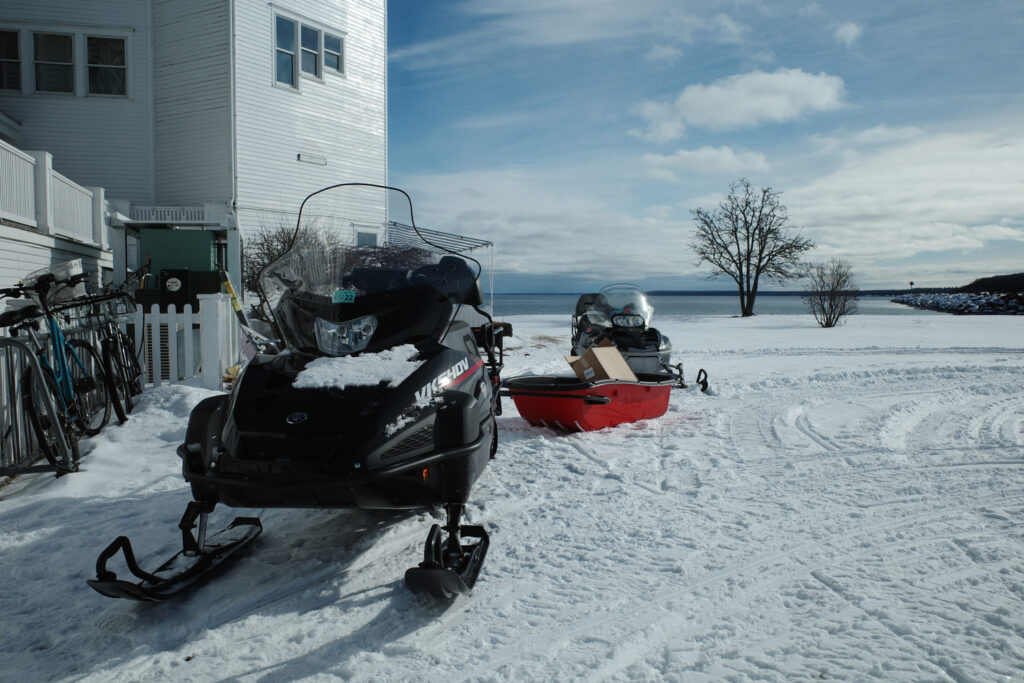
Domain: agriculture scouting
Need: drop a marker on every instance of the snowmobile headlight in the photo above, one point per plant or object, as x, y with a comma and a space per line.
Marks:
628, 320
350, 336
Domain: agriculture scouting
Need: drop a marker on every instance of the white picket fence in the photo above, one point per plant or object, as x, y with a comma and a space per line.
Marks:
176, 346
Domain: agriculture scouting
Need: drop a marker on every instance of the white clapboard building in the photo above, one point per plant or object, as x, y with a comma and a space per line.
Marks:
212, 115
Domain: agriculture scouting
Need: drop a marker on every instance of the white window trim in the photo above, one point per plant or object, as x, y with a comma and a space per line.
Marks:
297, 73
75, 78
341, 55
127, 63
21, 60
319, 75
79, 47
274, 50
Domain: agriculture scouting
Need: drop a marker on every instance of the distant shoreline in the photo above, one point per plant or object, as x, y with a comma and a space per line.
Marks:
733, 293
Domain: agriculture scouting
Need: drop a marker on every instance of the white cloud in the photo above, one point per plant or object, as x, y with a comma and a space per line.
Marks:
501, 27
883, 135
725, 29
495, 120
742, 101
848, 33
956, 191
709, 159
663, 122
562, 223
663, 53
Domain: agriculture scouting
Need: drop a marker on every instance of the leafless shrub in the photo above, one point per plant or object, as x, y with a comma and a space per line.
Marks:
831, 293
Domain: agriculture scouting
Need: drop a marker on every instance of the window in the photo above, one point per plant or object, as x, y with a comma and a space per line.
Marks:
10, 61
108, 71
284, 64
310, 51
54, 62
332, 53
366, 239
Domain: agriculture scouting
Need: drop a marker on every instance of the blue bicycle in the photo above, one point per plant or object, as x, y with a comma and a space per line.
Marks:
71, 368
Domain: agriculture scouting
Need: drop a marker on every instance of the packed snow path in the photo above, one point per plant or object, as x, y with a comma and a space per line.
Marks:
844, 504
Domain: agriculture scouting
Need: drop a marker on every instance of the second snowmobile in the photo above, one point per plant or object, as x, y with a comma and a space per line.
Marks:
381, 399
621, 314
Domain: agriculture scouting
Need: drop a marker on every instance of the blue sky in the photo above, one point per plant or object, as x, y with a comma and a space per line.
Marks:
577, 135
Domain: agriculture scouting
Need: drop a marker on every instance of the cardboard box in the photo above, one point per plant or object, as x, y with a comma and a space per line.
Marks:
601, 362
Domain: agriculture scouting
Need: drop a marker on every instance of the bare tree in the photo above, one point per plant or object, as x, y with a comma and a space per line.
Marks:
748, 238
831, 293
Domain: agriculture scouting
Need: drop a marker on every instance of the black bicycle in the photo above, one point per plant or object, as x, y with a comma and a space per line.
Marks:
71, 368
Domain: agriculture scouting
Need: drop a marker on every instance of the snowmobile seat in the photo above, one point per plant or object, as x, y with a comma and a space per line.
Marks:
451, 276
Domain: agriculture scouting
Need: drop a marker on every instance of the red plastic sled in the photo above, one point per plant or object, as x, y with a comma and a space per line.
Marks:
568, 404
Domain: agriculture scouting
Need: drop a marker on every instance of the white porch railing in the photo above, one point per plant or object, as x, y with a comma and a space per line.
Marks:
71, 212
33, 194
17, 185
175, 346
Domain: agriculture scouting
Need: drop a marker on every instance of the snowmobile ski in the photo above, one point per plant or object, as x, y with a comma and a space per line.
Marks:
445, 575
194, 562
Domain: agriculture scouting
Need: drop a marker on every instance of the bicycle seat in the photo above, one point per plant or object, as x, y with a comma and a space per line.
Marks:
19, 315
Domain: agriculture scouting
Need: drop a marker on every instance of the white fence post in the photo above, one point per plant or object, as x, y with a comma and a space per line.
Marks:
190, 365
100, 234
44, 183
211, 340
153, 344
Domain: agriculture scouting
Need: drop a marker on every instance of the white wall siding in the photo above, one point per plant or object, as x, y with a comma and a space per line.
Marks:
192, 52
341, 119
97, 140
25, 251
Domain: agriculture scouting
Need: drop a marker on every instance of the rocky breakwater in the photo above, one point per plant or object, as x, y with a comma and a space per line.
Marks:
967, 304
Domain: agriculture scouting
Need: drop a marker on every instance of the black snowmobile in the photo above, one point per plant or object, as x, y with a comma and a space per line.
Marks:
621, 314
380, 400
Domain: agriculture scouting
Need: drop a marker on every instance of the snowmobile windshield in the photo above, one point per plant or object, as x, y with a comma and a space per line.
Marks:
358, 277
627, 306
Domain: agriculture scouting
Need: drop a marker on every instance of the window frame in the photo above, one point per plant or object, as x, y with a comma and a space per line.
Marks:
317, 54
36, 62
16, 61
341, 53
80, 64
89, 65
299, 74
294, 83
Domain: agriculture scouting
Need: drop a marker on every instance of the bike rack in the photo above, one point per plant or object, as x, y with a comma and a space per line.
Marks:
16, 346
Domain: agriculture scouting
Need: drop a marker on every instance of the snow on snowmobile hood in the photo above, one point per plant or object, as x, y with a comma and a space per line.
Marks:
347, 286
622, 305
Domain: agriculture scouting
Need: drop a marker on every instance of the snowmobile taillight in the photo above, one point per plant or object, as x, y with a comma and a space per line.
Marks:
350, 336
628, 320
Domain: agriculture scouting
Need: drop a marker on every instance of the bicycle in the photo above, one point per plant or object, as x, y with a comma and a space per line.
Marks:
104, 313
71, 369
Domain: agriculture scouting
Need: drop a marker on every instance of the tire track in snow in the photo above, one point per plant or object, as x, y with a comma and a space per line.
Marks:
624, 612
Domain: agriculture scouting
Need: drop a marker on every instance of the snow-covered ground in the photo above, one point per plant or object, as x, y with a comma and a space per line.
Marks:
844, 504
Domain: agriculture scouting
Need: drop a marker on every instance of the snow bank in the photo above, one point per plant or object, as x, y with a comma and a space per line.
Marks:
845, 504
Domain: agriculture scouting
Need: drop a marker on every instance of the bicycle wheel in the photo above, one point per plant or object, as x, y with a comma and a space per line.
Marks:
117, 383
92, 400
130, 362
39, 418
